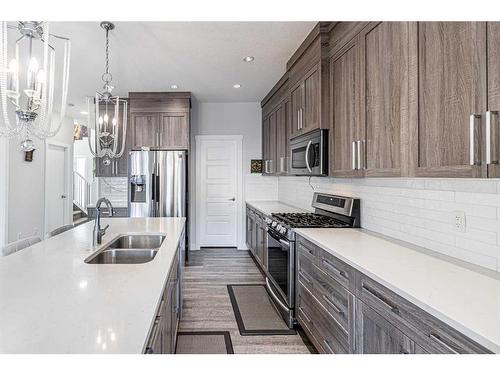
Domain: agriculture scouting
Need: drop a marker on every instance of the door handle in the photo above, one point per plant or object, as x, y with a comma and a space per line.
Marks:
472, 127
353, 156
63, 196
360, 154
307, 156
232, 199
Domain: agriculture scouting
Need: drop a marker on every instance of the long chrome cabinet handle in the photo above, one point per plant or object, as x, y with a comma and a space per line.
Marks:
298, 119
438, 340
302, 274
328, 346
353, 154
489, 158
360, 154
332, 304
374, 294
334, 269
472, 152
305, 315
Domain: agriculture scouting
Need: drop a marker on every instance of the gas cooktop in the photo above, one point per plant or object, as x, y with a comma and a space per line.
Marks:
309, 220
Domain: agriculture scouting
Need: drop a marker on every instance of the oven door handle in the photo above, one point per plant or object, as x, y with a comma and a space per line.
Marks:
280, 240
307, 156
275, 297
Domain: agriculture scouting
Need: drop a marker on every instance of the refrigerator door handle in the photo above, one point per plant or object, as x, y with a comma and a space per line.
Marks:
153, 195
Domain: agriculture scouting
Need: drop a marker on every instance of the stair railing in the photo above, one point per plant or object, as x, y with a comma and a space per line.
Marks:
81, 191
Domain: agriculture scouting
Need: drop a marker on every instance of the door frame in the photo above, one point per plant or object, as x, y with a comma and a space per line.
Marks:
69, 182
238, 139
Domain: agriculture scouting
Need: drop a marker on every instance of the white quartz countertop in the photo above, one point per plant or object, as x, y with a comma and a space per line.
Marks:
273, 207
466, 300
51, 301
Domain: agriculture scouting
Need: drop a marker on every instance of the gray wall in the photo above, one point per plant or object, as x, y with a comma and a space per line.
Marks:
26, 208
230, 119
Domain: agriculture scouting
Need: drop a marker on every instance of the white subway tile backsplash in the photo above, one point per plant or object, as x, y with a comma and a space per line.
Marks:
419, 211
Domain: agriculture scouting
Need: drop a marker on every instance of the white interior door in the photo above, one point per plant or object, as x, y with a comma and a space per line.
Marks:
56, 196
219, 167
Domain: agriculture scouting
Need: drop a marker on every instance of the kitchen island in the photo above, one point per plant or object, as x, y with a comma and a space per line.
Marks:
51, 301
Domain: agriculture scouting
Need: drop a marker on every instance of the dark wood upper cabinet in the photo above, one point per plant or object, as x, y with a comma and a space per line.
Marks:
144, 129
160, 120
309, 82
345, 92
174, 130
447, 87
493, 39
384, 100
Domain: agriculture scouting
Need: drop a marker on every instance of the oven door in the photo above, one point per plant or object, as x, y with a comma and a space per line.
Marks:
280, 269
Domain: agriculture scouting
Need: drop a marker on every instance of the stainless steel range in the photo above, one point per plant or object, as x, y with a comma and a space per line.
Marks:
331, 211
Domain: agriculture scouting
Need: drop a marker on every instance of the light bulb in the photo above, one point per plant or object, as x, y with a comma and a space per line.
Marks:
100, 120
40, 77
13, 67
114, 121
33, 65
106, 118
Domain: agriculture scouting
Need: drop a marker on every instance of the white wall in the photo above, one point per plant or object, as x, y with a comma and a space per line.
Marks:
419, 211
4, 186
27, 185
231, 119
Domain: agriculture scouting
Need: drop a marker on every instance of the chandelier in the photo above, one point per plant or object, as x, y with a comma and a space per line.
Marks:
28, 80
106, 115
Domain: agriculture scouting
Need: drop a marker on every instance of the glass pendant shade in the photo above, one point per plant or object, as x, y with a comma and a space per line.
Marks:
107, 116
28, 80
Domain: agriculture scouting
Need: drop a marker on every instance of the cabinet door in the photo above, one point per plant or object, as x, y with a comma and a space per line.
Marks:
282, 137
493, 38
297, 104
173, 131
271, 143
447, 86
261, 242
375, 335
249, 230
345, 91
312, 100
144, 129
384, 62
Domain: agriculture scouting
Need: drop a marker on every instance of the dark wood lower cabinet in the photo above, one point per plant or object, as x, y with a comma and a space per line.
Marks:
344, 311
256, 236
163, 335
375, 335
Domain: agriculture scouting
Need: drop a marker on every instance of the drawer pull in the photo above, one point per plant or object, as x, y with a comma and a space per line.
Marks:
328, 347
308, 280
404, 351
305, 315
374, 294
438, 339
332, 304
334, 269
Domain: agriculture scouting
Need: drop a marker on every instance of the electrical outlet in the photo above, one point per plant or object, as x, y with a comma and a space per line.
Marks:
19, 234
459, 221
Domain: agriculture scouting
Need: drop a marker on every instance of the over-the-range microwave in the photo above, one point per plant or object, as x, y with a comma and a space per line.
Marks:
309, 154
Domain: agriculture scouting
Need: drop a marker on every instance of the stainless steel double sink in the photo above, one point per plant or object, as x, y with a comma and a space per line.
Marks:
128, 249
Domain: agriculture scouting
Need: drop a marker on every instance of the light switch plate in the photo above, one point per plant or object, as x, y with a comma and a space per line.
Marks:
459, 221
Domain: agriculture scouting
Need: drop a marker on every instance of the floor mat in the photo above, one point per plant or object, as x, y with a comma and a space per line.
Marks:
255, 313
204, 342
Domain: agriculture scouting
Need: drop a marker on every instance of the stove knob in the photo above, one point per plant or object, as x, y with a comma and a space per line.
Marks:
278, 227
283, 230
268, 221
274, 224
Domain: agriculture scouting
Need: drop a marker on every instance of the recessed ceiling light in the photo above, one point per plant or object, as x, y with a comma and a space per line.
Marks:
248, 58
174, 87
84, 113
236, 85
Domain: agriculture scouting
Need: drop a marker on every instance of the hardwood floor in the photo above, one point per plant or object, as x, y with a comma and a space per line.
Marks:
206, 303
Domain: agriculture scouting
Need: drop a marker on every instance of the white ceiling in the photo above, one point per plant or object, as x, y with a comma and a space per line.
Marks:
202, 57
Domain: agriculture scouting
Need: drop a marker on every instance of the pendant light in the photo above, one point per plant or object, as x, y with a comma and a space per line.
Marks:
107, 115
27, 82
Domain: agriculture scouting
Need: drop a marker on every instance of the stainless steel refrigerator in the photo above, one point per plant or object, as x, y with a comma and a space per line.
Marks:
157, 184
